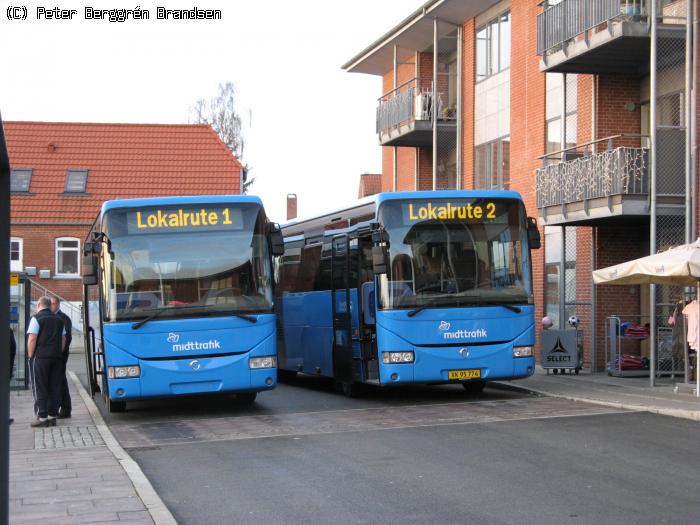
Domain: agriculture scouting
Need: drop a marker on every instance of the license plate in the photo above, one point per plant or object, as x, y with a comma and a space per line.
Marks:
464, 374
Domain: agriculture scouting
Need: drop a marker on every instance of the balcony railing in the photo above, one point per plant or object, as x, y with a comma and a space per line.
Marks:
568, 19
619, 170
411, 101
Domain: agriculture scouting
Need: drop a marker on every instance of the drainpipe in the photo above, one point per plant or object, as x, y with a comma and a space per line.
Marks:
395, 163
652, 189
694, 123
594, 229
460, 120
688, 117
435, 100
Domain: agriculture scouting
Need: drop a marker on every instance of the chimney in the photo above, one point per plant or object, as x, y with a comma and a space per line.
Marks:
291, 206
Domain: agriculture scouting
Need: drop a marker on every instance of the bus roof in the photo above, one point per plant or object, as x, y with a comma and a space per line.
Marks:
166, 201
370, 204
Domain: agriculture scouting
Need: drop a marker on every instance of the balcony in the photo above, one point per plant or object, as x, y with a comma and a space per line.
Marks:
606, 36
584, 186
405, 115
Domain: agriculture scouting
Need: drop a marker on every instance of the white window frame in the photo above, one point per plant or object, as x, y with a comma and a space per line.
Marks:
57, 250
18, 265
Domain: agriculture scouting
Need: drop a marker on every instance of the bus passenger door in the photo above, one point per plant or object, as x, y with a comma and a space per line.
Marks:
342, 320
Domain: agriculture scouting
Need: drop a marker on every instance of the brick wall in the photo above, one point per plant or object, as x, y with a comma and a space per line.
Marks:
39, 243
527, 123
615, 245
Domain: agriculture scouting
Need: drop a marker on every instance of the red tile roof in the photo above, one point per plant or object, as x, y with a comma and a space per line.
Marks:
124, 161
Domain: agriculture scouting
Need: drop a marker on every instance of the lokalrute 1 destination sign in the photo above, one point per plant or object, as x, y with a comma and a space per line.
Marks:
181, 219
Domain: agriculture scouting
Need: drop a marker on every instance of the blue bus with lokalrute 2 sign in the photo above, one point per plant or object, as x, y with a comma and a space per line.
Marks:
410, 287
178, 298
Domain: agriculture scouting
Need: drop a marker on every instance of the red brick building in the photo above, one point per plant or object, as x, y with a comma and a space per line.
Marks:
62, 172
554, 100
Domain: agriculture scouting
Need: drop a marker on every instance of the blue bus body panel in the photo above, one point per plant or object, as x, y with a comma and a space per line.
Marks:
308, 330
165, 350
456, 339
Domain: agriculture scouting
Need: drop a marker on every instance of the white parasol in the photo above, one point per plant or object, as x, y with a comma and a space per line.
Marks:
679, 266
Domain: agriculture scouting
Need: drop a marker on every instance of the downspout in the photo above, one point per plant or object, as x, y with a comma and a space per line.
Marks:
694, 124
594, 229
435, 100
395, 162
688, 117
459, 175
652, 190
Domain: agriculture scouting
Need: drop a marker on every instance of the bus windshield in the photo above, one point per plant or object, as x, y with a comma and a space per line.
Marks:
449, 253
214, 259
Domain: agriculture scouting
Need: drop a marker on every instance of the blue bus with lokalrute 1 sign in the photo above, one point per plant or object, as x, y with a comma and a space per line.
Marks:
178, 298
410, 287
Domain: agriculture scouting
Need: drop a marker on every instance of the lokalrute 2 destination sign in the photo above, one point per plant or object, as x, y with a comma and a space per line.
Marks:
184, 219
476, 211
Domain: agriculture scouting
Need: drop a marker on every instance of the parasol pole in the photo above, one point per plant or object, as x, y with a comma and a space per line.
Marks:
697, 341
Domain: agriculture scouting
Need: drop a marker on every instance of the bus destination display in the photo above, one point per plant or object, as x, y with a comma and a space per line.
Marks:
180, 219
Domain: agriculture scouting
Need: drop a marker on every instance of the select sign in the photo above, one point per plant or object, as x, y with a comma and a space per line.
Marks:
561, 348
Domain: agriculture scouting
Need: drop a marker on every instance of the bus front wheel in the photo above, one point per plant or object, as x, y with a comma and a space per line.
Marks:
246, 398
474, 387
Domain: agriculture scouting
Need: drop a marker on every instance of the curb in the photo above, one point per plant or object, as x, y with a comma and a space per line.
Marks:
155, 506
693, 415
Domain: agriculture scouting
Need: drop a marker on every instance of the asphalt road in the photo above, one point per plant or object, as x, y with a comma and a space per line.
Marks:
305, 454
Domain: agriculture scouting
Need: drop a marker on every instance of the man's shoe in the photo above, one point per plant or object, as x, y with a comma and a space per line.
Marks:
63, 415
40, 423
52, 421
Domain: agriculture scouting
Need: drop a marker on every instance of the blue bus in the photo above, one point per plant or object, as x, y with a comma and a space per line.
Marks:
409, 287
178, 298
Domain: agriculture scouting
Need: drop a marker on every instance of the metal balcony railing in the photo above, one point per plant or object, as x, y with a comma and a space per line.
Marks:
412, 100
568, 19
621, 170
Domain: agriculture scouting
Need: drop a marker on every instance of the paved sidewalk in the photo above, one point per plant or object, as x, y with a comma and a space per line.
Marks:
632, 393
66, 473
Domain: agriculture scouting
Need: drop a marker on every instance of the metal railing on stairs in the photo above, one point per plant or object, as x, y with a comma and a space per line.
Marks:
70, 308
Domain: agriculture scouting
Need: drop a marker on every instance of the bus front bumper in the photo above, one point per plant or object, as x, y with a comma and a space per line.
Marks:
193, 375
436, 365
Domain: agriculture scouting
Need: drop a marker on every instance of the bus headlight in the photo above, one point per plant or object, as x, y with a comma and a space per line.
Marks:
522, 351
123, 372
397, 357
269, 361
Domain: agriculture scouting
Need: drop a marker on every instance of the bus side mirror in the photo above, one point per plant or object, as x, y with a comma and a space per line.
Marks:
380, 260
368, 309
276, 240
533, 234
89, 270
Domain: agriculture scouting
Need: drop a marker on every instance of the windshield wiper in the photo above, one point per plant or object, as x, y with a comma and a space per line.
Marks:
160, 312
511, 307
421, 308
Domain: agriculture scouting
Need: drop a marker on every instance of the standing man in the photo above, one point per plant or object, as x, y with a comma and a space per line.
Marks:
65, 403
45, 343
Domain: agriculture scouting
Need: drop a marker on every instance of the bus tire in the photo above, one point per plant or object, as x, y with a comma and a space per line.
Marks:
349, 389
286, 375
115, 406
246, 398
474, 387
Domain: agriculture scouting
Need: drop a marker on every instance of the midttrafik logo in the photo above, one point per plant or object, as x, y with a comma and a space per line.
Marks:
173, 338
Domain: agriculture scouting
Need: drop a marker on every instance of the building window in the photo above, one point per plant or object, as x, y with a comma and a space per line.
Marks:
16, 248
554, 102
76, 181
67, 256
492, 165
493, 47
20, 180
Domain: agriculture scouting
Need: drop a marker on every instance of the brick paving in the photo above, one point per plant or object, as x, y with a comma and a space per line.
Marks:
66, 474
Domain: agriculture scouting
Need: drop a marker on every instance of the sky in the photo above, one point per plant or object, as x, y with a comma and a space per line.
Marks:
308, 125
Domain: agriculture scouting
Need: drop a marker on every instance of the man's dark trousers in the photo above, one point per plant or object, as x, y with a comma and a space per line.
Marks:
46, 381
65, 402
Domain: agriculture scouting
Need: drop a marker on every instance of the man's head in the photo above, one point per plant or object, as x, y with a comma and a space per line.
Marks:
44, 303
55, 304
